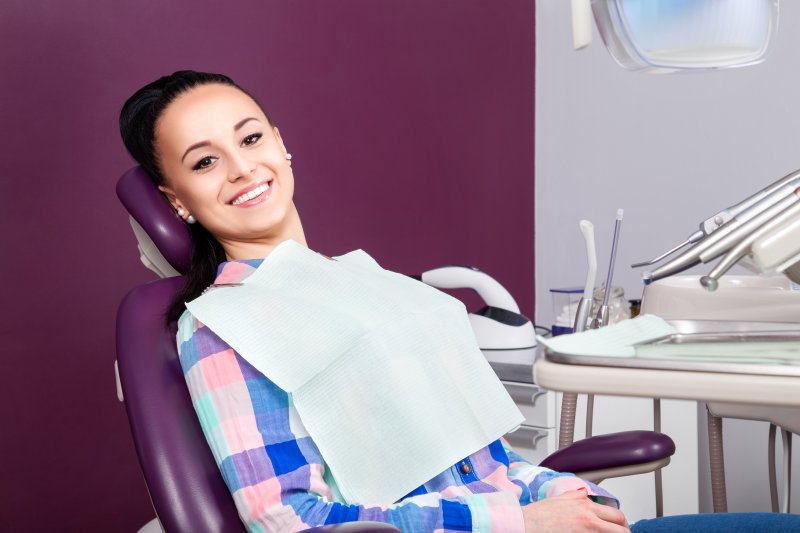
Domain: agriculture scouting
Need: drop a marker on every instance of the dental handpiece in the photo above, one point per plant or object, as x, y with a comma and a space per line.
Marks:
727, 235
711, 281
747, 227
785, 185
742, 211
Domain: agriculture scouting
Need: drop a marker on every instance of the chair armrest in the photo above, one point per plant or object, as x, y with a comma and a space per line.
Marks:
611, 451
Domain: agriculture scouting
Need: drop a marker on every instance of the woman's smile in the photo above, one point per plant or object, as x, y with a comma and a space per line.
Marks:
252, 195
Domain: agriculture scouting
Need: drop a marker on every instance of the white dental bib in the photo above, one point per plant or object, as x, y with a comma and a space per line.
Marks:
384, 370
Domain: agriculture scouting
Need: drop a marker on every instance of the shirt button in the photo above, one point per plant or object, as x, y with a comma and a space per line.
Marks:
466, 468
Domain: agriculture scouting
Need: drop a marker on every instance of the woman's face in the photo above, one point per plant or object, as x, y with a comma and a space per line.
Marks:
226, 166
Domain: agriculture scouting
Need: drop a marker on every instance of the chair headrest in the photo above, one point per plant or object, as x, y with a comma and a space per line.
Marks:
151, 210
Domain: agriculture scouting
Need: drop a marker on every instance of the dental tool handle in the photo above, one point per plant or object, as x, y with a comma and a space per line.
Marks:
582, 315
614, 244
711, 281
601, 320
712, 223
587, 230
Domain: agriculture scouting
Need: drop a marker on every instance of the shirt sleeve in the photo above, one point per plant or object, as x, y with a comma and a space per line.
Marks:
274, 470
538, 482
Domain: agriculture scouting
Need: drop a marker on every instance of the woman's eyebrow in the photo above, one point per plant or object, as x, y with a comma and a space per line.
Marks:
236, 127
241, 123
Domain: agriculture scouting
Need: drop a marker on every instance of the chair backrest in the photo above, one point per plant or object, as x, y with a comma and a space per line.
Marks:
186, 488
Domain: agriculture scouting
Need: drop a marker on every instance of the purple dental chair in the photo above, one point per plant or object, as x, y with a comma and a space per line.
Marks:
184, 483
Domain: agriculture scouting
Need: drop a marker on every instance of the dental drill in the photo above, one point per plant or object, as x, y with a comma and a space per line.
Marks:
724, 230
785, 221
723, 239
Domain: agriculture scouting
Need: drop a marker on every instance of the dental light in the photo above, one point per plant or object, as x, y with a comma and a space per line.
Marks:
663, 36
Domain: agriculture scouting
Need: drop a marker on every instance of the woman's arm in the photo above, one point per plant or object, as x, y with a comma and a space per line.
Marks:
274, 470
538, 482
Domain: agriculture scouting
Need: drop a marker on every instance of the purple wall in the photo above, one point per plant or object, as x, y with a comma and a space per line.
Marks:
411, 126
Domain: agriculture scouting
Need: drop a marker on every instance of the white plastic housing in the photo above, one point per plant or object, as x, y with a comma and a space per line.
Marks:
778, 250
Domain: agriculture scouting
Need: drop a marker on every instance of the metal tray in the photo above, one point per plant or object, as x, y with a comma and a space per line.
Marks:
687, 363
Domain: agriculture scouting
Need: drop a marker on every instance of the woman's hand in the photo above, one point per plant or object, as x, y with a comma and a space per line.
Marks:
572, 512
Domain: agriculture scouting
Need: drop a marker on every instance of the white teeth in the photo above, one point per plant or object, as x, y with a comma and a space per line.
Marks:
250, 195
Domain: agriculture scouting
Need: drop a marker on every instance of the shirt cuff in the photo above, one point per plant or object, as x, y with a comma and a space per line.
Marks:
567, 483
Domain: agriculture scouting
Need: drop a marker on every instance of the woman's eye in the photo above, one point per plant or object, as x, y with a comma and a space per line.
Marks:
203, 163
251, 139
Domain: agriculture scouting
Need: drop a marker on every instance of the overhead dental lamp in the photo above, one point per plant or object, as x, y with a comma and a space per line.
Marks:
664, 36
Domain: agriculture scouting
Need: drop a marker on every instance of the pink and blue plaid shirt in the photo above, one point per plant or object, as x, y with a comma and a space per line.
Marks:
279, 480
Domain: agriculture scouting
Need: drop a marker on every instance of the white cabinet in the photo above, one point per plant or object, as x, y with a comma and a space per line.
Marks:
536, 438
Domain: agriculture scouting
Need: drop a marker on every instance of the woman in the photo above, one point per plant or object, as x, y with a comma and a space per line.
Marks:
215, 154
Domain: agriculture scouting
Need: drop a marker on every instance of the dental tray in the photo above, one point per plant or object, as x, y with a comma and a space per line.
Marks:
757, 352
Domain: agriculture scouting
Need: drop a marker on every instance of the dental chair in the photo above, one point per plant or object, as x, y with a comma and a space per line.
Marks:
185, 486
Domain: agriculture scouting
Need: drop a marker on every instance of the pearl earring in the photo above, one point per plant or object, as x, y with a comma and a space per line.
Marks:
190, 219
288, 156
181, 212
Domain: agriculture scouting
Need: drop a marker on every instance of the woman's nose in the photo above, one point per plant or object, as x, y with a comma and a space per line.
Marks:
241, 167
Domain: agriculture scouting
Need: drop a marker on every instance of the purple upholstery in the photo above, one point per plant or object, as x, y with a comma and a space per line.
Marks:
185, 485
152, 211
611, 451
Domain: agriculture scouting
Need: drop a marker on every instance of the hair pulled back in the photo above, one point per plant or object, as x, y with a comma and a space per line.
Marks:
137, 125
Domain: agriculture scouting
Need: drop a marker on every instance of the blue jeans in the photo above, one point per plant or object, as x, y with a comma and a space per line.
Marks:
720, 523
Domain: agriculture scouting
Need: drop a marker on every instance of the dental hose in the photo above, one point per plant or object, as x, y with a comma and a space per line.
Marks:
569, 401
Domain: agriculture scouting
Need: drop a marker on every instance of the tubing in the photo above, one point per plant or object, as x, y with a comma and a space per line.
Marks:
717, 460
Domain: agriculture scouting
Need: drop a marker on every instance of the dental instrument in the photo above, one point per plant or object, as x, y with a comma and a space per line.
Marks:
787, 219
723, 239
585, 304
602, 315
713, 229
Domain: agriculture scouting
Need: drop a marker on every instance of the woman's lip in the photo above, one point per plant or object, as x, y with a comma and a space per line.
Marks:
258, 199
248, 189
263, 197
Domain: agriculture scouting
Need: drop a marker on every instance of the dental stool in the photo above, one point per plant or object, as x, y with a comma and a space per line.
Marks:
184, 483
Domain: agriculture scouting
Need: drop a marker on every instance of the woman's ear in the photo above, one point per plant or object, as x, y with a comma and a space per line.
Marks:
170, 194
280, 143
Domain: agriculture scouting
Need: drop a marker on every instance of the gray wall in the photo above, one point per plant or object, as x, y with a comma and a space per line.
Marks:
411, 126
670, 150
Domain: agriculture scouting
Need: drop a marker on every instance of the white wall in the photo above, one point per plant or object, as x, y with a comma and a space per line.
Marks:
670, 150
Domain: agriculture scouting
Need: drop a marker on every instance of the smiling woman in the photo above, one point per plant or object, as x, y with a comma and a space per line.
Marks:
225, 167
228, 167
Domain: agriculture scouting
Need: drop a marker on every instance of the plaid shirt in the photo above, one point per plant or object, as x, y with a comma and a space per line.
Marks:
279, 480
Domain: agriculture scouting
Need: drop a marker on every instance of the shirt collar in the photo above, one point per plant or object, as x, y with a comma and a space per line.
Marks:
236, 270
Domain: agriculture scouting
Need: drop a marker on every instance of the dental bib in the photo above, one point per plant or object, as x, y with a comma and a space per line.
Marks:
384, 371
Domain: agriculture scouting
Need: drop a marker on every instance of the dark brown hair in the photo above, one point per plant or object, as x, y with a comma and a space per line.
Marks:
137, 123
